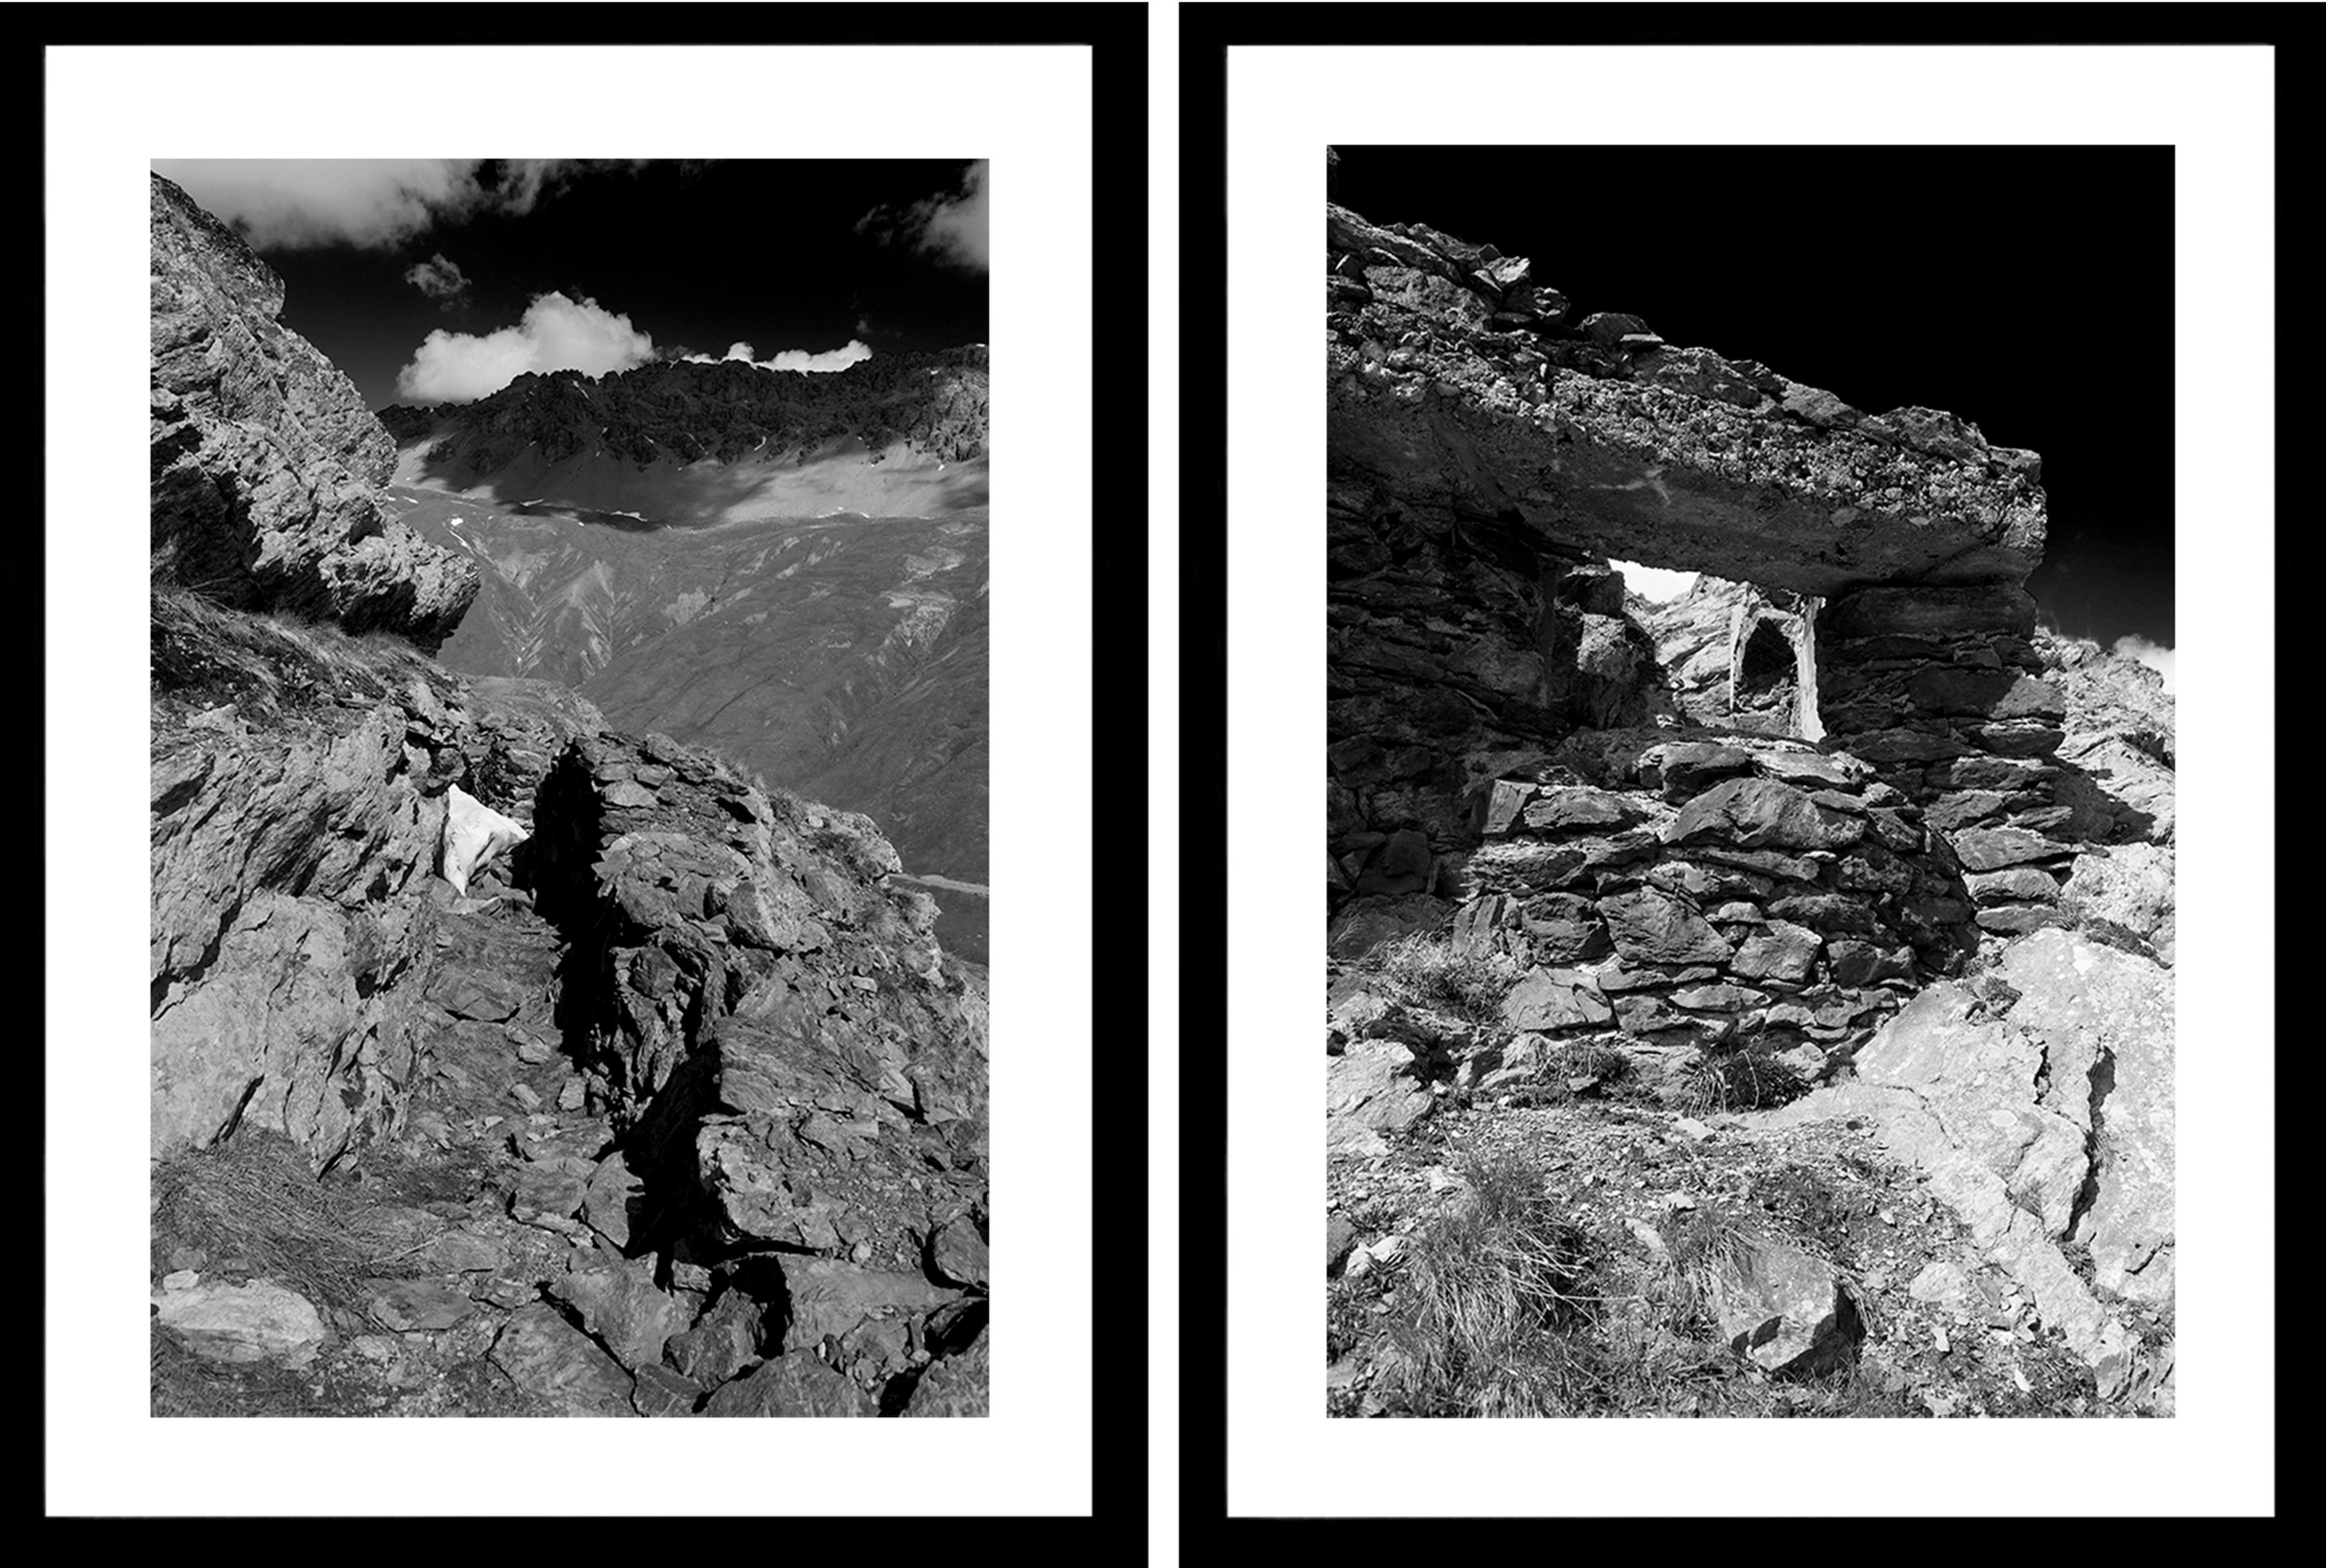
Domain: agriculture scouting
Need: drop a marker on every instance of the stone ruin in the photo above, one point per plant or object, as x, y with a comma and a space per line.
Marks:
1876, 784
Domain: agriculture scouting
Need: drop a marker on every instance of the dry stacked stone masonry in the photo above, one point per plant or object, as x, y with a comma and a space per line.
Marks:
1501, 748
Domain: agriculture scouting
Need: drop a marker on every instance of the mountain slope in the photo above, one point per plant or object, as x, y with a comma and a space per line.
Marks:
842, 658
678, 1109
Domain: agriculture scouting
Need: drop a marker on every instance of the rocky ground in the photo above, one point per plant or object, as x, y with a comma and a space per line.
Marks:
457, 1185
1826, 1209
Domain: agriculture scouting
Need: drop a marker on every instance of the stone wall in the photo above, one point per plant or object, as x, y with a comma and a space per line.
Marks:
1703, 894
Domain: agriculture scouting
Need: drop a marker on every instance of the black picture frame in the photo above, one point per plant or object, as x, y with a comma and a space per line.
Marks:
1210, 38
1116, 36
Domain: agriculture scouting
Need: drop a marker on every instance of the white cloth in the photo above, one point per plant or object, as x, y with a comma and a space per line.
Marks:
474, 833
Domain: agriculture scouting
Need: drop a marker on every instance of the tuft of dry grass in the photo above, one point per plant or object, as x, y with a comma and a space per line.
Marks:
1428, 969
1497, 1283
253, 1199
1751, 1079
205, 653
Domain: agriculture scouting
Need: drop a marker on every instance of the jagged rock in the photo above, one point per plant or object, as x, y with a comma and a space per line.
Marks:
619, 1305
1650, 927
258, 1322
1547, 1001
267, 469
1783, 1310
724, 1341
1687, 767
794, 1384
2130, 886
661, 1392
1369, 1089
1555, 810
1564, 929
558, 1363
955, 1386
611, 1200
1994, 848
830, 1298
1761, 813
2024, 882
959, 1253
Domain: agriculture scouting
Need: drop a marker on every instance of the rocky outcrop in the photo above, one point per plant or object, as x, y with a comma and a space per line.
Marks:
2039, 1102
267, 467
685, 1064
776, 1021
298, 786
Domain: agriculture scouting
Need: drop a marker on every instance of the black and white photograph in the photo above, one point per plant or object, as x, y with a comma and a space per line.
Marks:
1715, 591
569, 789
1750, 794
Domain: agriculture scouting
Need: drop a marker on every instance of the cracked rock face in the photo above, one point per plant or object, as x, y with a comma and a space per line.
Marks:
267, 467
2042, 1111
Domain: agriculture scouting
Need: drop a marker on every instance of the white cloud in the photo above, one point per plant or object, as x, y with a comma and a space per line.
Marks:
556, 333
2155, 656
437, 278
1654, 582
291, 203
952, 226
839, 359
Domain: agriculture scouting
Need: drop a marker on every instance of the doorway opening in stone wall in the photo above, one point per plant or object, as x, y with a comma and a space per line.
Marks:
1749, 785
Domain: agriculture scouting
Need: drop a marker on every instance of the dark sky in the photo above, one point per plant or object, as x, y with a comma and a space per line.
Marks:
2027, 289
698, 255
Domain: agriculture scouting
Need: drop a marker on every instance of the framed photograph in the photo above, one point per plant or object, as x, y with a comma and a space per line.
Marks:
621, 635
1713, 574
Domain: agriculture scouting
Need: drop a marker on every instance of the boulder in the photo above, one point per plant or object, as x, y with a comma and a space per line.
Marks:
1786, 1311
797, 1385
954, 1385
619, 1305
558, 1365
262, 1320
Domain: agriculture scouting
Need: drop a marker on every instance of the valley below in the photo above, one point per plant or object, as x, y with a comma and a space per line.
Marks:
843, 657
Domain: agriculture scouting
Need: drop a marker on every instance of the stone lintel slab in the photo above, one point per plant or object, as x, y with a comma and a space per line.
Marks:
1662, 477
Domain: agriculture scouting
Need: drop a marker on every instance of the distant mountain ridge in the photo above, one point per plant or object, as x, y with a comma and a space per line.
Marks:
921, 415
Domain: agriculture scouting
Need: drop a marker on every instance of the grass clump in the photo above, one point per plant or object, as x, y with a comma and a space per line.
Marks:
1430, 971
257, 1210
1751, 1079
1499, 1287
